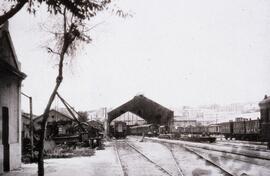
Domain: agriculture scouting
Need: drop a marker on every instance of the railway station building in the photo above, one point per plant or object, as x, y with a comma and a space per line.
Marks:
145, 108
10, 103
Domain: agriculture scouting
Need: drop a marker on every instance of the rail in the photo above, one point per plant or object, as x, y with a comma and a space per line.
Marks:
149, 160
176, 161
209, 161
120, 161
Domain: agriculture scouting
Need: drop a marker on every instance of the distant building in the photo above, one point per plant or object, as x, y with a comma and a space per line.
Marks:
26, 125
240, 119
97, 114
185, 123
58, 124
10, 103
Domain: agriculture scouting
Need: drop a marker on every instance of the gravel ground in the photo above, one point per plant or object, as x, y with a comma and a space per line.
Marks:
189, 163
243, 145
103, 163
106, 162
134, 163
159, 154
240, 150
238, 165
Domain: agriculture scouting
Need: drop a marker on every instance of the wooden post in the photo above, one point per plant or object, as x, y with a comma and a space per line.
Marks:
31, 125
31, 128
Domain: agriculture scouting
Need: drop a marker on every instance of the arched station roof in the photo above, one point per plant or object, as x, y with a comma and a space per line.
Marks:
147, 109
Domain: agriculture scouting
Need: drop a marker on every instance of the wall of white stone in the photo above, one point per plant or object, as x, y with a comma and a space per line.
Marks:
10, 98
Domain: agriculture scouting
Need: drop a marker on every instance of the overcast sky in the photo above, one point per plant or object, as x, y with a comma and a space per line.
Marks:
175, 52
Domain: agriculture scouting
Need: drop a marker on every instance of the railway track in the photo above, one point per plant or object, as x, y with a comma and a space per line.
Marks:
252, 147
209, 161
227, 173
174, 156
160, 168
236, 153
124, 171
148, 159
176, 162
261, 157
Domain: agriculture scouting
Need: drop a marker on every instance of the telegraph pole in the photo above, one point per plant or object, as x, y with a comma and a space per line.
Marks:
31, 124
106, 123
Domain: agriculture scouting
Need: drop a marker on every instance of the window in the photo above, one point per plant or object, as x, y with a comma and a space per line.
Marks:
60, 130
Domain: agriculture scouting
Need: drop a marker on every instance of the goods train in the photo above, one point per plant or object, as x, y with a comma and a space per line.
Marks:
148, 130
190, 133
240, 130
119, 129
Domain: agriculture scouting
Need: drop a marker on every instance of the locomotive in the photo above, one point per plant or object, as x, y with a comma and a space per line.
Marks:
119, 129
193, 133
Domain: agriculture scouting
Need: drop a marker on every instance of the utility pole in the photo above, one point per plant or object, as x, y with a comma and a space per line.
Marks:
106, 123
31, 124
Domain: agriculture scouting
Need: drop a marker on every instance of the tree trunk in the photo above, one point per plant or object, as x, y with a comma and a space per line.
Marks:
43, 130
68, 39
46, 115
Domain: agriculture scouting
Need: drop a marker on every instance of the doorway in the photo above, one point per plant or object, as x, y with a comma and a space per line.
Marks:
5, 137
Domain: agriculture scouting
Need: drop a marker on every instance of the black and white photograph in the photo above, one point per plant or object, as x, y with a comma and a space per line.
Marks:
134, 88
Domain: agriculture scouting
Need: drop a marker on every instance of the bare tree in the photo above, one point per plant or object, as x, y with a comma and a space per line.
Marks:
72, 33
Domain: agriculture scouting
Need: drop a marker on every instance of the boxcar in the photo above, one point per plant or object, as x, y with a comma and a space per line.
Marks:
242, 130
239, 130
198, 130
148, 130
247, 130
213, 129
226, 129
253, 131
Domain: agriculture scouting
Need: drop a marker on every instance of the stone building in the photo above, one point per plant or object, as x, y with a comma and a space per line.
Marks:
185, 123
10, 107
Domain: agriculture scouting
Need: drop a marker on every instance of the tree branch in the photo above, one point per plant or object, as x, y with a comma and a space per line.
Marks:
7, 15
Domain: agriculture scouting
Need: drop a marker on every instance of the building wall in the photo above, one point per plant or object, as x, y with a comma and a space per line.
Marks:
185, 123
59, 119
10, 98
